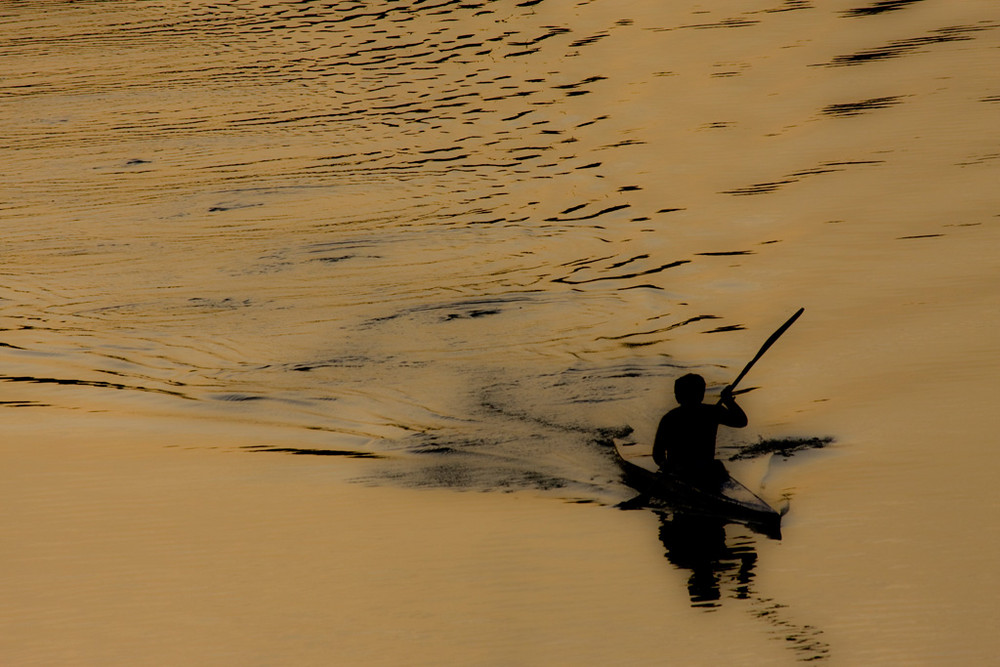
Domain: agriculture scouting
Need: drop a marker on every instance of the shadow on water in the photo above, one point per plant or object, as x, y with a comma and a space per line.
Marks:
721, 559
699, 544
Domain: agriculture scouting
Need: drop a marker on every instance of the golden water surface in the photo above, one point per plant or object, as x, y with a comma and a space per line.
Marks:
317, 318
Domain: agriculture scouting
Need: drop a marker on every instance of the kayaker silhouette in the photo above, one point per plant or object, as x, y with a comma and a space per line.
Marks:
685, 438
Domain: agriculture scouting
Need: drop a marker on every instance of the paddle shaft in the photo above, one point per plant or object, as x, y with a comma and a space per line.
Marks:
767, 344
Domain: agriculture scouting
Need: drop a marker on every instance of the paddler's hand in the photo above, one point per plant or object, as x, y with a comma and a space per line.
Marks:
727, 395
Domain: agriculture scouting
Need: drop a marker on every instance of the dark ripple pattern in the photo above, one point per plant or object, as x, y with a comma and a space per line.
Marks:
880, 7
472, 232
901, 47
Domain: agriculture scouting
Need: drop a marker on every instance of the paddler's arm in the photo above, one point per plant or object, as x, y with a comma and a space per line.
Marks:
732, 415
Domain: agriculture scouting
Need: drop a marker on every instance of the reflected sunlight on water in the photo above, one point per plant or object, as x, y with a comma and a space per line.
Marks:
471, 241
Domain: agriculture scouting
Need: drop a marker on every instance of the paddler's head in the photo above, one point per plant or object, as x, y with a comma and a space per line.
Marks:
690, 389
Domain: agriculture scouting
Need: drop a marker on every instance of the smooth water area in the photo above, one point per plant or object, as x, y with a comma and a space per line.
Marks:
316, 319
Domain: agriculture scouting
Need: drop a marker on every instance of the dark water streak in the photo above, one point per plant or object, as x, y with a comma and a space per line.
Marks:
447, 119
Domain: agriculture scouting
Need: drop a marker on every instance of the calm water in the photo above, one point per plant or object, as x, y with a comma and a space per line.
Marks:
454, 246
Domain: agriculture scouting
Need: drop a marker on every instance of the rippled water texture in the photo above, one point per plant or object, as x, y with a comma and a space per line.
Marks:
459, 244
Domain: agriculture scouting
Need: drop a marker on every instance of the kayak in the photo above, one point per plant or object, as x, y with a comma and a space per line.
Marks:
732, 501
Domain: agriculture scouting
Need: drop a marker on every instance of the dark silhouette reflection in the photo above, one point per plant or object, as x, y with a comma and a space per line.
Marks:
722, 565
699, 544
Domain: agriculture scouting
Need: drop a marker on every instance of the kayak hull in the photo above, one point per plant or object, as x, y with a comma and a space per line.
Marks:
732, 501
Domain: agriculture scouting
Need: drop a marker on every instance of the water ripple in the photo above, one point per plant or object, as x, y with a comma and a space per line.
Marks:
357, 219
